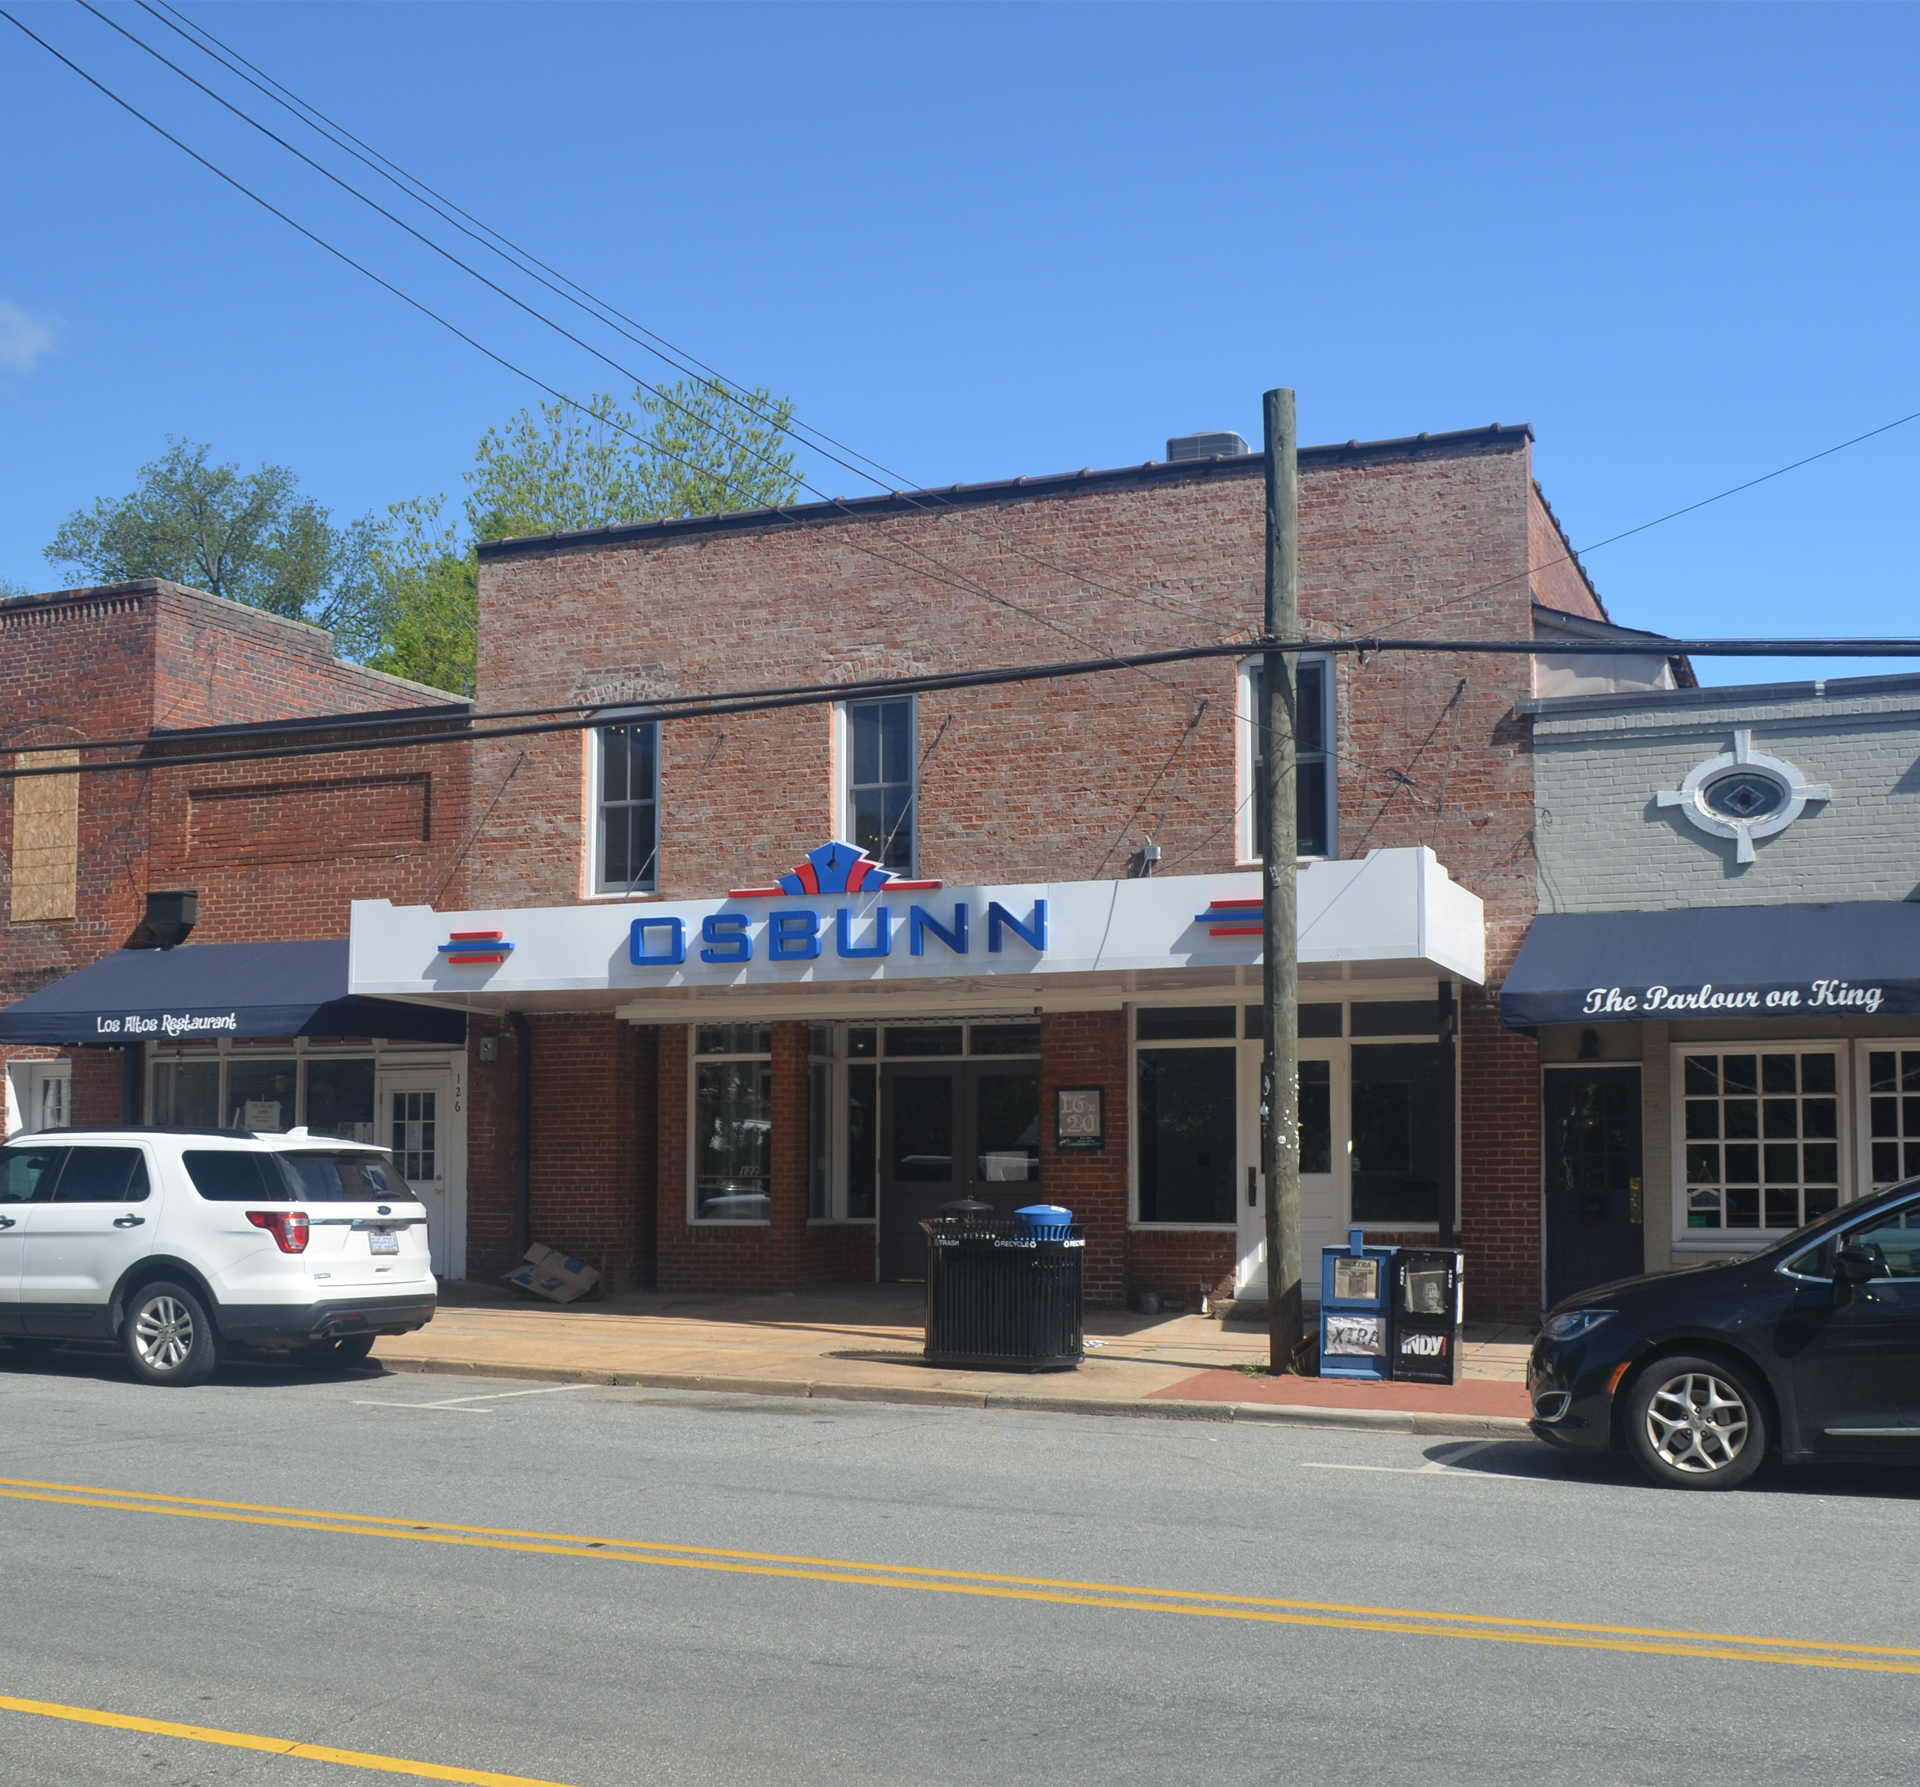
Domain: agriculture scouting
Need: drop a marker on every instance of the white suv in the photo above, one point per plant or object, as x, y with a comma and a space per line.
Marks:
172, 1241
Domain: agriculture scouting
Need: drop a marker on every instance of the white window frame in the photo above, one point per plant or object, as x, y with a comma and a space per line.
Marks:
695, 1061
1862, 1125
1725, 1240
1246, 845
26, 1091
1338, 1050
596, 781
843, 771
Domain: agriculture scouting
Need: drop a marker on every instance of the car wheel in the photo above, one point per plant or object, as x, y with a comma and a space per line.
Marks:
167, 1336
1695, 1424
333, 1355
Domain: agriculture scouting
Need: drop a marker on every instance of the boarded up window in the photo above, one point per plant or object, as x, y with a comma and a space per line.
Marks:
302, 818
46, 839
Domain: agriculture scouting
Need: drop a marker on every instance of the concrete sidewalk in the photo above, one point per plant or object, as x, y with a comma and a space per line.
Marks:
862, 1342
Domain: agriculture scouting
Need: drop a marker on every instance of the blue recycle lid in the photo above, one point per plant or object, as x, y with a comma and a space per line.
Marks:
1043, 1216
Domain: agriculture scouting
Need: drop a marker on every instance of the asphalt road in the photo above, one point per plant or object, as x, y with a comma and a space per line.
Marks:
338, 1609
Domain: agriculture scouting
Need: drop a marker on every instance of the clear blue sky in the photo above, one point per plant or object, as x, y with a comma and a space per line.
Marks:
978, 240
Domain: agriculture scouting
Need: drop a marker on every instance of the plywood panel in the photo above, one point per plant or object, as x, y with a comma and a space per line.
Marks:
46, 839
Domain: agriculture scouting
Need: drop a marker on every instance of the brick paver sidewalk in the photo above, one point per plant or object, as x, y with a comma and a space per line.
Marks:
862, 1342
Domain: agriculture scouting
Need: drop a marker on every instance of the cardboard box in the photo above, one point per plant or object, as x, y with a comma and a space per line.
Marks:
551, 1274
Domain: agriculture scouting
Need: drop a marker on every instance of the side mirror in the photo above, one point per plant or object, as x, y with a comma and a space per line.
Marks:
1852, 1266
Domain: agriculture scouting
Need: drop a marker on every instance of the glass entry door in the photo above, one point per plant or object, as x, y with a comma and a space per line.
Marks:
414, 1122
1323, 1160
949, 1130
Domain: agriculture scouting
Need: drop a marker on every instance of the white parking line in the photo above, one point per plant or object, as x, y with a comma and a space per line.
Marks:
458, 1403
1442, 1466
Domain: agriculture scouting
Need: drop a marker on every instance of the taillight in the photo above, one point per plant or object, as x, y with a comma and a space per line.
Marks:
287, 1227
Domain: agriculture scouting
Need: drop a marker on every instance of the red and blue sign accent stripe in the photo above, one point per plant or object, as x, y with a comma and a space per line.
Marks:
1232, 918
465, 947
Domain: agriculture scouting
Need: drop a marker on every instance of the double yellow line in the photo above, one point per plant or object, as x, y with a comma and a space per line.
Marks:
1112, 1596
1804, 1653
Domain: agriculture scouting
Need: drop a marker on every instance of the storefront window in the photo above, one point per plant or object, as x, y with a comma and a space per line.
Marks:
733, 1127
1187, 1134
260, 1094
1893, 1114
863, 1139
1762, 1138
820, 1140
1398, 1120
186, 1094
1316, 1116
340, 1099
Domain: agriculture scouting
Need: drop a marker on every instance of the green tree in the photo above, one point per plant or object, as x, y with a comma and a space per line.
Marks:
427, 597
695, 448
247, 536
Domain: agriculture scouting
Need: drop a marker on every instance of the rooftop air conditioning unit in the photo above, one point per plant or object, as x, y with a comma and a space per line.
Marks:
1205, 446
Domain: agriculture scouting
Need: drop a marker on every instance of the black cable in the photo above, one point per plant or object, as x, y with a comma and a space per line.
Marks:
1158, 601
527, 262
825, 695
940, 574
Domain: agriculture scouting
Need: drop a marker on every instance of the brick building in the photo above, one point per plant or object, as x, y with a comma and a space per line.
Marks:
752, 994
274, 852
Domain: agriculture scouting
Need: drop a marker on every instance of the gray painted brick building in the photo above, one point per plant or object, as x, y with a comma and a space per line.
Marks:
1729, 891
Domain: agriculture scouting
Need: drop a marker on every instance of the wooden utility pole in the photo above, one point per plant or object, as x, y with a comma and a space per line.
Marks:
1279, 844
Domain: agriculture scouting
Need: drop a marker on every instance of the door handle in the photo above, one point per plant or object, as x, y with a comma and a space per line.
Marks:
6, 1222
128, 1222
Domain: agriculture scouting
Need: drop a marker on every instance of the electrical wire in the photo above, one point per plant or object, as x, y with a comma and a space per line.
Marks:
765, 455
825, 695
680, 359
939, 574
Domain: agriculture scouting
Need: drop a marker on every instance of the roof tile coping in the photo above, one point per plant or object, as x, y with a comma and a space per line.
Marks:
308, 636
1496, 438
1832, 697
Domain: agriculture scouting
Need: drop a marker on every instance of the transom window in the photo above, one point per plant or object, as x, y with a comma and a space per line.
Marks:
628, 818
880, 781
1314, 780
1762, 1138
1893, 1114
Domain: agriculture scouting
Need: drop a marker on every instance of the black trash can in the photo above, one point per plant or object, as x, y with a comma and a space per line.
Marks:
1006, 1295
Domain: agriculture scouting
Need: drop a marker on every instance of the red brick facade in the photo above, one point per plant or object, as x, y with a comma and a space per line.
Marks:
1050, 780
275, 850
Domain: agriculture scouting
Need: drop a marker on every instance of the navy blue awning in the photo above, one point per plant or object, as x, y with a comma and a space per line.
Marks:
1852, 959
204, 990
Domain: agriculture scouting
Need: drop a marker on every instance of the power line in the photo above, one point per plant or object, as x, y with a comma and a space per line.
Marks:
1159, 600
824, 695
680, 359
939, 574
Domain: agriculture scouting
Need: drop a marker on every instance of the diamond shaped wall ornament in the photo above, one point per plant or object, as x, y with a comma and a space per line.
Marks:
1743, 794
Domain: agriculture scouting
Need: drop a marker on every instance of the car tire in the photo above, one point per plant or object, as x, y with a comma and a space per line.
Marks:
1693, 1423
167, 1335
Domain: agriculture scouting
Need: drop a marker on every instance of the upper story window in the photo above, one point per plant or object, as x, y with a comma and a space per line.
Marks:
627, 808
1316, 797
880, 781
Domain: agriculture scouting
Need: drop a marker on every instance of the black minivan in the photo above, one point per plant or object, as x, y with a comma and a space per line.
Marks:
1808, 1351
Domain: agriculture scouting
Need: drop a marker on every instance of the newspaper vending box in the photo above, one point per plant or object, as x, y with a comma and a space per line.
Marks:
1428, 1303
1355, 1316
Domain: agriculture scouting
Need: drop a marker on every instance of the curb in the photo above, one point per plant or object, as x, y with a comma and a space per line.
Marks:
1272, 1414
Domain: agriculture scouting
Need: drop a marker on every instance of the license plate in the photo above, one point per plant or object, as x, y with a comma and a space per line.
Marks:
380, 1241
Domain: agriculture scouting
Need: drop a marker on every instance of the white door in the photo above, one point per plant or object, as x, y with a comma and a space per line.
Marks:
1323, 1158
39, 1093
419, 1122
